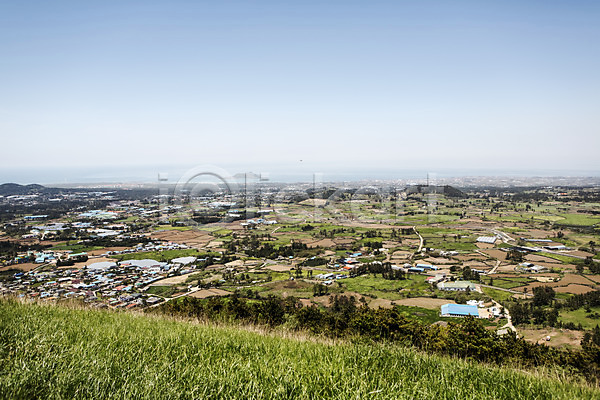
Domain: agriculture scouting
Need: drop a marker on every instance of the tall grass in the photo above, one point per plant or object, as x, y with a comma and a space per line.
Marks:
55, 352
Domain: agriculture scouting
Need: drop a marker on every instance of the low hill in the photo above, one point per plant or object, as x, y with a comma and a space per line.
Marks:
446, 190
51, 351
8, 189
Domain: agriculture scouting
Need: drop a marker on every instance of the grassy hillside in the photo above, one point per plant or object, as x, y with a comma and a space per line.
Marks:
55, 352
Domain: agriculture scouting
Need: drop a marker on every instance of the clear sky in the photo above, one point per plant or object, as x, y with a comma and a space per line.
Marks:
337, 84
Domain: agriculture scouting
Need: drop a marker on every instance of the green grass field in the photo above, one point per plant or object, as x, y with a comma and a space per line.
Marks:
578, 219
76, 248
510, 283
498, 295
163, 256
53, 352
385, 288
580, 316
165, 291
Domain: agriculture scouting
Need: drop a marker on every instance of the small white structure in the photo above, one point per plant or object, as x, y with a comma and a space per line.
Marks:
487, 239
183, 260
101, 266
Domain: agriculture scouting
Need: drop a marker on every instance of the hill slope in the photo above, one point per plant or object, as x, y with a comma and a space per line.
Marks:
16, 189
55, 352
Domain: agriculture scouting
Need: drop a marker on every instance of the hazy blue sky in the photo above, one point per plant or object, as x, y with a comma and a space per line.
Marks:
369, 84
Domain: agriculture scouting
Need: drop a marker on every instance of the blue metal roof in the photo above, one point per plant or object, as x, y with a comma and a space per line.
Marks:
459, 309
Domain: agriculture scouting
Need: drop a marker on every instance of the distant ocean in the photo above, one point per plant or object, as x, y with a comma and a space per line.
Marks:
274, 173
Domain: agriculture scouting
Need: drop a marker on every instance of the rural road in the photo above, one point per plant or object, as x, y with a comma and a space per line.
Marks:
420, 238
493, 270
509, 324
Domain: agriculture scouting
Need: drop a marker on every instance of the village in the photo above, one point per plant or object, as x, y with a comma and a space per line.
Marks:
457, 256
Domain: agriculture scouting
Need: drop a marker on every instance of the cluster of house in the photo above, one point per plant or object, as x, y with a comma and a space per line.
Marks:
52, 256
349, 262
330, 278
93, 223
112, 284
532, 268
251, 223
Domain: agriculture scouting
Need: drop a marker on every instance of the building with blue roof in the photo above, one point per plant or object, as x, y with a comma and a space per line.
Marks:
459, 310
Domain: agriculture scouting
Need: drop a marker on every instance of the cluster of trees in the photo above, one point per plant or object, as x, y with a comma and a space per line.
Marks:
593, 266
470, 275
589, 299
71, 261
514, 255
544, 308
373, 244
9, 249
525, 313
466, 338
254, 247
320, 290
539, 311
314, 261
332, 232
385, 269
591, 339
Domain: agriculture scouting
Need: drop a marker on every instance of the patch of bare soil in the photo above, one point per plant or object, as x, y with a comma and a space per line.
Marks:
327, 299
536, 234
469, 256
579, 253
25, 267
438, 260
174, 280
322, 243
205, 293
495, 253
424, 302
558, 337
574, 289
192, 238
535, 258
278, 268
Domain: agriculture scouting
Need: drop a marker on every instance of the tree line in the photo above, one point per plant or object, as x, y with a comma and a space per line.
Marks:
466, 338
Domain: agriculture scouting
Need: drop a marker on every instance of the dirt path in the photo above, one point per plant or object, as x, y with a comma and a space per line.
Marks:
509, 324
493, 270
420, 239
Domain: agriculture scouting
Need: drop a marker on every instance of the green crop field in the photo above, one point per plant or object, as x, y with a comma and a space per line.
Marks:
172, 228
578, 219
163, 256
370, 285
54, 352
